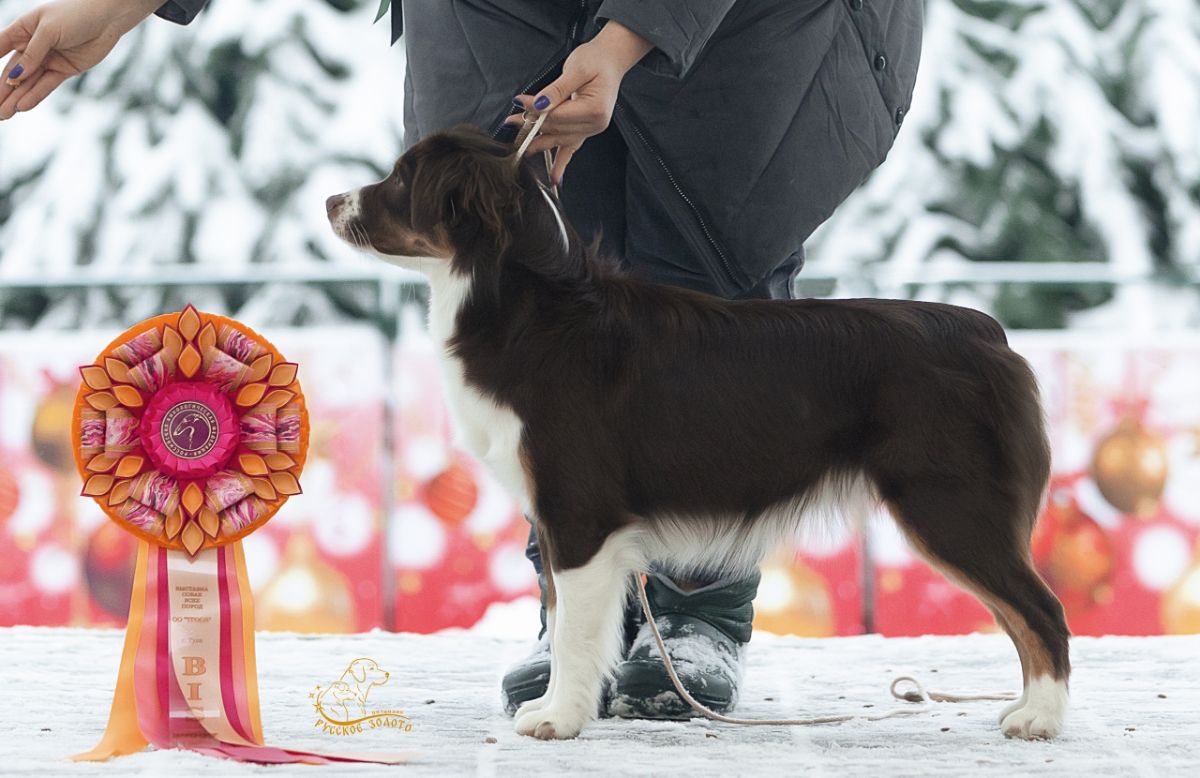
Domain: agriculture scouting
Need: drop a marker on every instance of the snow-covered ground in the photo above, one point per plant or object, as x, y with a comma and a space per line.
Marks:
1136, 710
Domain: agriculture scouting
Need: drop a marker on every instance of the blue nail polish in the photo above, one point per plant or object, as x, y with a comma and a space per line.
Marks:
16, 72
517, 102
541, 103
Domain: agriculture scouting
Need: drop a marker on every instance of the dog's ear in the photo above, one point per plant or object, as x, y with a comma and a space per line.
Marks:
358, 671
469, 194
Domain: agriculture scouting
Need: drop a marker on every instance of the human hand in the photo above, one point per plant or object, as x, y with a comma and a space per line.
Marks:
58, 40
580, 102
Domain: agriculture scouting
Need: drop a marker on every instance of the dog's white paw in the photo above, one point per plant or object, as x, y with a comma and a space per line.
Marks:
551, 723
1041, 717
1009, 708
1030, 724
529, 706
528, 716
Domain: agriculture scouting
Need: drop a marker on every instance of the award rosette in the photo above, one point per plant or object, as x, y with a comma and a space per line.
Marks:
190, 431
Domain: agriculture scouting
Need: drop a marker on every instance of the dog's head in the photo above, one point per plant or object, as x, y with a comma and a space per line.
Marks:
454, 198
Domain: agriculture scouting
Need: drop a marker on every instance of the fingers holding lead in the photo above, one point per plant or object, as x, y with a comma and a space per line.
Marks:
582, 113
543, 142
559, 91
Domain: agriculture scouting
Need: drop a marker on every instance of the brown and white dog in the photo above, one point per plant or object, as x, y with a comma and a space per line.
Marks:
643, 423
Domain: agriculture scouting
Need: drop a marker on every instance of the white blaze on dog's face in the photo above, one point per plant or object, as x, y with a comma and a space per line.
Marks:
449, 194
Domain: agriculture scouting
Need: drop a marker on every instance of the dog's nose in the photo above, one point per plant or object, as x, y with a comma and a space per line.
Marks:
333, 203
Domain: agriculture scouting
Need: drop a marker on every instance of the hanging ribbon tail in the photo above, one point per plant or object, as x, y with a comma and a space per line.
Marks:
122, 736
188, 673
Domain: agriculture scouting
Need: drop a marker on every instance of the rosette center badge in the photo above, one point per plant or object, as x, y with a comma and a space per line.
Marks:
189, 430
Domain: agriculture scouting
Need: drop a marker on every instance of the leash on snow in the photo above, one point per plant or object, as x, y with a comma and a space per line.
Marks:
918, 694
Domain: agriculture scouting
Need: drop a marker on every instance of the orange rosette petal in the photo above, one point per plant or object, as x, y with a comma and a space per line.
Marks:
116, 477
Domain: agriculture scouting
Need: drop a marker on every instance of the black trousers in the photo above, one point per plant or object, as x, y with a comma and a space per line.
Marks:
603, 193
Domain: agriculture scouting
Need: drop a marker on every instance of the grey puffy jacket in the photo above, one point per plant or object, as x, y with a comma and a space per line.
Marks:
753, 118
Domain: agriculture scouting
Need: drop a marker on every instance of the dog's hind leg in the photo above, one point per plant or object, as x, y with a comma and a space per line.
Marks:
1023, 654
586, 642
976, 537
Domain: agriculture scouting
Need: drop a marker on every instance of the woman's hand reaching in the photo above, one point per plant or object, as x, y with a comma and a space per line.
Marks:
58, 40
581, 100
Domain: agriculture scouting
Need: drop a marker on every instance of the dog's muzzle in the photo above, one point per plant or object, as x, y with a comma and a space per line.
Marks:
333, 204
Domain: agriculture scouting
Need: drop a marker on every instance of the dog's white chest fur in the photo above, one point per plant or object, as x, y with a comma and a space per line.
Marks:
488, 430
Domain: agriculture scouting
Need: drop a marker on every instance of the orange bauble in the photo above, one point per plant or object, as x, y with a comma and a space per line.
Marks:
305, 594
1072, 551
793, 599
452, 494
1130, 468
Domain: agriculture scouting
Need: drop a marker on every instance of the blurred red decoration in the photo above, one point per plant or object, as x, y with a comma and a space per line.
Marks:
1130, 467
108, 564
454, 593
451, 495
10, 493
1073, 553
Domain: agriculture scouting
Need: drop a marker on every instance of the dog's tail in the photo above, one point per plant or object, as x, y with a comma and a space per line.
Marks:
1019, 426
1004, 385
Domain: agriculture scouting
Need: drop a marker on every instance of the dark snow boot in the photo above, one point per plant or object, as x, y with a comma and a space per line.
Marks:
705, 632
528, 679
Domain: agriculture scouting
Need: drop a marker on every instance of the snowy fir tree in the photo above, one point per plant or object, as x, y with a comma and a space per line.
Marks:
1044, 135
1042, 131
208, 149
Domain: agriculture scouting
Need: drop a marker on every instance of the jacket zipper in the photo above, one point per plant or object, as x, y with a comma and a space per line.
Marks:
725, 265
555, 61
575, 25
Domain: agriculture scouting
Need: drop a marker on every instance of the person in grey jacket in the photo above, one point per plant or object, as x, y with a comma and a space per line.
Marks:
701, 141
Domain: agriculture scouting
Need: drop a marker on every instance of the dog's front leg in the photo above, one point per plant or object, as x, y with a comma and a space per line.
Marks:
551, 605
586, 639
